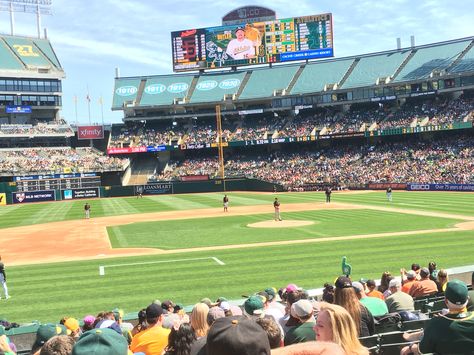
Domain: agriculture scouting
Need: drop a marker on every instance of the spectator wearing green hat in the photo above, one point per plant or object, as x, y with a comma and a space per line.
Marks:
451, 333
101, 342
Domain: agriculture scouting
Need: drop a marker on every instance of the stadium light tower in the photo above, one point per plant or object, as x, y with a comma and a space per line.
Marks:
37, 7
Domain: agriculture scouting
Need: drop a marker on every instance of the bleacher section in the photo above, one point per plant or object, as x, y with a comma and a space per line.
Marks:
263, 82
26, 51
162, 90
315, 76
431, 58
466, 64
125, 90
8, 60
212, 88
368, 69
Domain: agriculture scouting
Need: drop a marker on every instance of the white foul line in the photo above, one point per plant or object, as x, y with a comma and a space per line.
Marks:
102, 267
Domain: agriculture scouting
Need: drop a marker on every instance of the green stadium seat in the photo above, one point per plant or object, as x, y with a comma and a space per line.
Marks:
414, 325
263, 82
315, 76
163, 90
427, 59
212, 88
26, 51
368, 69
8, 60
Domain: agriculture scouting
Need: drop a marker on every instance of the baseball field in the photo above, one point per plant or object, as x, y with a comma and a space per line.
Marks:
184, 247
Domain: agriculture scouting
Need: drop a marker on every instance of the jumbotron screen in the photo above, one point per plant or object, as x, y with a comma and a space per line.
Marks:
275, 41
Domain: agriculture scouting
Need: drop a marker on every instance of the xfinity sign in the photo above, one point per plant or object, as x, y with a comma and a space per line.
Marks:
90, 132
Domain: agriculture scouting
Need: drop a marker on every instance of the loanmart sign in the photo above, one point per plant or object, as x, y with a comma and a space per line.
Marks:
90, 132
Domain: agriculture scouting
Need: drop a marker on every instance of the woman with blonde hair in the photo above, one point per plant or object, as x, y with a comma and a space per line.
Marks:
199, 319
335, 324
345, 296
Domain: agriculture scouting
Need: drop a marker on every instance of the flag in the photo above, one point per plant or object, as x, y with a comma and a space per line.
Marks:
88, 98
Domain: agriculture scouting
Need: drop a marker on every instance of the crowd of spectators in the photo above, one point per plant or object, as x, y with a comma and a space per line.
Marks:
325, 121
57, 160
285, 321
445, 161
37, 128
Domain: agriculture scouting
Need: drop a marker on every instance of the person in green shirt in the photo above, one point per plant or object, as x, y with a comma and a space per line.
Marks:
303, 332
375, 305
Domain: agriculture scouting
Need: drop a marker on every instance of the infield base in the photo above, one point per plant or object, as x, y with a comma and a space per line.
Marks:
280, 224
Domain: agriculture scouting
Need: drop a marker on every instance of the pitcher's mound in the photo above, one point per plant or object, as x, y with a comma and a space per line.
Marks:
280, 224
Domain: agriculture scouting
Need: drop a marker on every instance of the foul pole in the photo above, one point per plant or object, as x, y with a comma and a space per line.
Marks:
220, 147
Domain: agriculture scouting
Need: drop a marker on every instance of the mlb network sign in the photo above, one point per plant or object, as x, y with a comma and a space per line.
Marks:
90, 132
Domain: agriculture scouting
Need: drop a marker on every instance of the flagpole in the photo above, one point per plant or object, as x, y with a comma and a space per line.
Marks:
75, 109
101, 102
89, 105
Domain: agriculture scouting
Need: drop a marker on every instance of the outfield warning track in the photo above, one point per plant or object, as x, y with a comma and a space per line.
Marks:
88, 239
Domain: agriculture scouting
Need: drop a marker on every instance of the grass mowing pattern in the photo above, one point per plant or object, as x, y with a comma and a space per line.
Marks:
21, 215
50, 291
233, 230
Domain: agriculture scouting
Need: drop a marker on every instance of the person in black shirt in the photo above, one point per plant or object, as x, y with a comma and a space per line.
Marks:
328, 194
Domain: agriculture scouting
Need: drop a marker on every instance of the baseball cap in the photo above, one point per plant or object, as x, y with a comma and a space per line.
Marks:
358, 287
118, 313
456, 292
208, 302
47, 331
167, 304
343, 282
253, 304
411, 274
271, 292
153, 311
371, 283
394, 283
424, 272
89, 319
291, 288
237, 335
72, 324
302, 309
240, 28
225, 306
214, 314
101, 342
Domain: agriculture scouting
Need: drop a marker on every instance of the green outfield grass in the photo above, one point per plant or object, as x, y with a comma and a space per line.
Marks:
48, 292
18, 215
233, 230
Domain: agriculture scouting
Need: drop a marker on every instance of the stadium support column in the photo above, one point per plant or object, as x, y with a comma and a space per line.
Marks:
220, 147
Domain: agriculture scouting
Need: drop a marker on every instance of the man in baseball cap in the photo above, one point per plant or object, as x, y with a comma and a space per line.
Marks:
154, 339
303, 311
452, 333
237, 335
101, 342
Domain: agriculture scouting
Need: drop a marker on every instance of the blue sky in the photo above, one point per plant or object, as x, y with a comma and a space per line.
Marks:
92, 38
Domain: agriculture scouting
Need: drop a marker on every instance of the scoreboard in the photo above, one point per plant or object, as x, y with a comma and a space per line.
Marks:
274, 41
57, 182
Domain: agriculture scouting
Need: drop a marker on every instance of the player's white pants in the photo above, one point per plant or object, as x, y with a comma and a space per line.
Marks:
5, 289
277, 215
88, 213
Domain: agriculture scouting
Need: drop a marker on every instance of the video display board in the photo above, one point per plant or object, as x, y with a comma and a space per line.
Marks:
274, 41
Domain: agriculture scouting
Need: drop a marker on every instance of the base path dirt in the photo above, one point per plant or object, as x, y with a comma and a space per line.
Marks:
88, 239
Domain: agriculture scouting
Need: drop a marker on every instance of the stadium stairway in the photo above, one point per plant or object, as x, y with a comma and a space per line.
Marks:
295, 78
349, 71
141, 169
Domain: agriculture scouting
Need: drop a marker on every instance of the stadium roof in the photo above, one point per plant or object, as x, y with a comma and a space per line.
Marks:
365, 70
25, 57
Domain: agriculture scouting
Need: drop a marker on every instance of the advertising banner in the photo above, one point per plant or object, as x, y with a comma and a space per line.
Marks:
80, 193
128, 150
33, 196
17, 109
194, 178
441, 187
90, 132
3, 199
384, 186
156, 189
